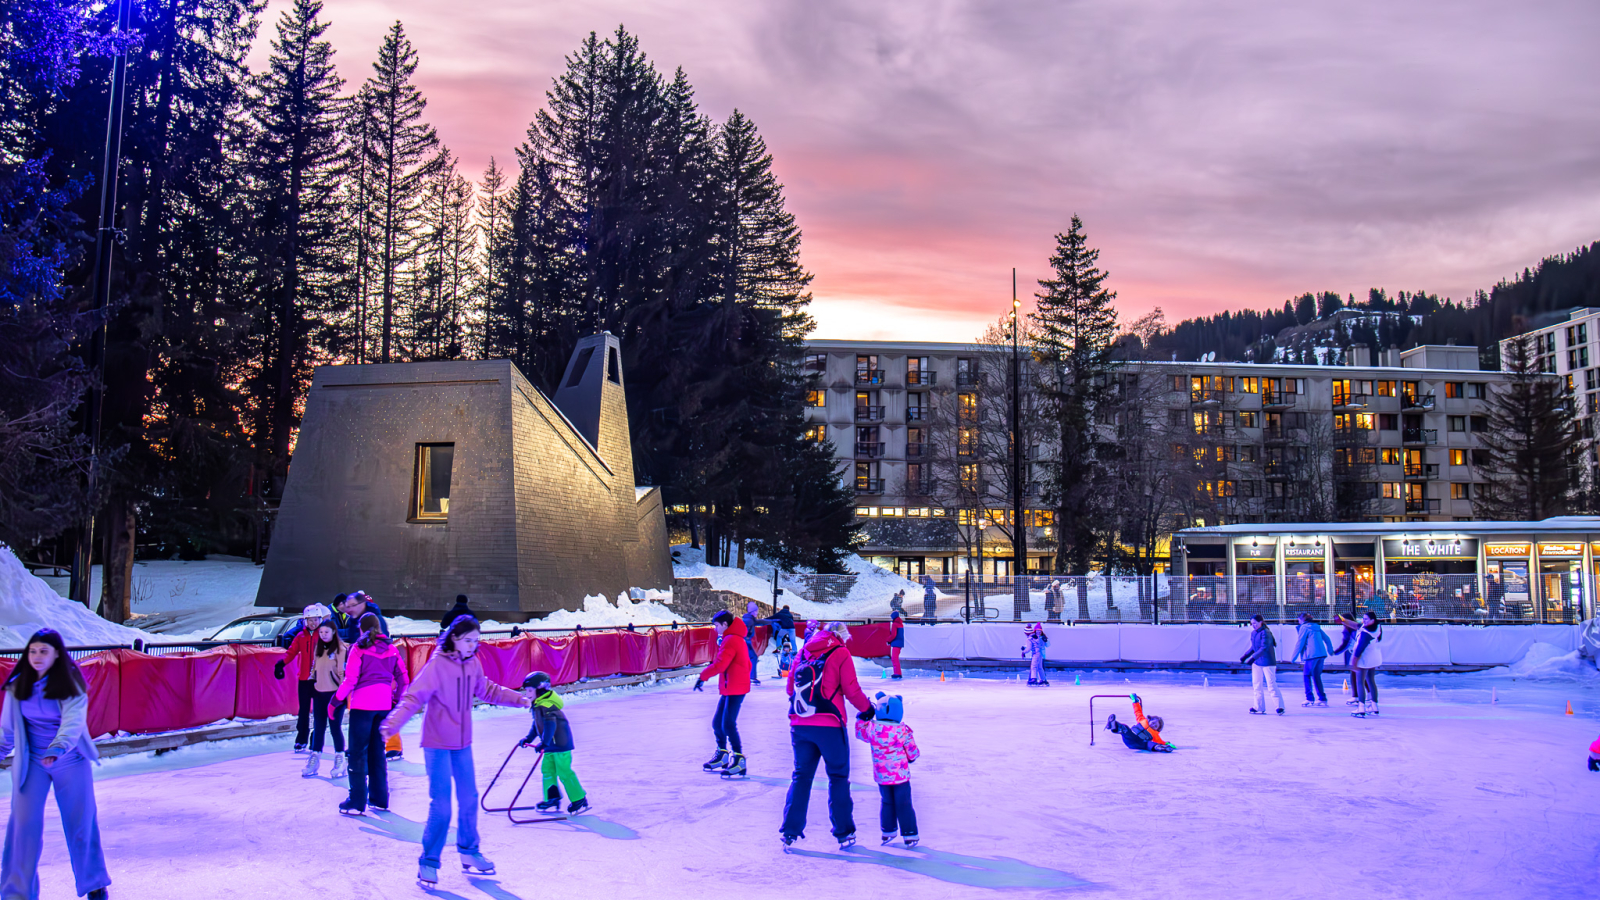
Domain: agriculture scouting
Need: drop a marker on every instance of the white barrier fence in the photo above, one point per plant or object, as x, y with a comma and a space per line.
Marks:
1403, 645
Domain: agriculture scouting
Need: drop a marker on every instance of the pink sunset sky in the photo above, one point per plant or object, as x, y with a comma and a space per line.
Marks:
1223, 154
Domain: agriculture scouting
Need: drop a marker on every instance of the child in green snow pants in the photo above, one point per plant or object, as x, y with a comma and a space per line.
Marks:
559, 766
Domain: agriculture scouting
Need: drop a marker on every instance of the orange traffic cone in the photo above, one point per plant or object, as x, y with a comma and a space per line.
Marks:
1569, 707
941, 675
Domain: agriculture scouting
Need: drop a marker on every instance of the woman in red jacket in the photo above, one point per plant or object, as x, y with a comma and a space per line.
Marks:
732, 668
822, 686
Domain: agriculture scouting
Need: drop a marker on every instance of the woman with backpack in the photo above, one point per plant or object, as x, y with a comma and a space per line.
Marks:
823, 678
374, 679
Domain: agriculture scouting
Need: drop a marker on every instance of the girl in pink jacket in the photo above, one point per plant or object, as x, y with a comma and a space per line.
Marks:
374, 678
894, 749
447, 685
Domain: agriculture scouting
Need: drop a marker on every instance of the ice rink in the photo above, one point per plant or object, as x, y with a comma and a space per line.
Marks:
1444, 796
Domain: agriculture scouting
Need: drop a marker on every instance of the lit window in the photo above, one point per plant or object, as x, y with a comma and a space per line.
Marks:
432, 489
816, 398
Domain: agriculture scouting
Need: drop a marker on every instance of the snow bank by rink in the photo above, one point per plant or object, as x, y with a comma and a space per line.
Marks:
28, 604
869, 596
1548, 649
598, 612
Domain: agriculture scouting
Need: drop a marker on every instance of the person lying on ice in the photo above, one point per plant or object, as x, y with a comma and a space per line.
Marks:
1144, 736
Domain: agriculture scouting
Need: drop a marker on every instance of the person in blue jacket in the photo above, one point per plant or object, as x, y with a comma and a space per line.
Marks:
1312, 645
930, 600
1263, 659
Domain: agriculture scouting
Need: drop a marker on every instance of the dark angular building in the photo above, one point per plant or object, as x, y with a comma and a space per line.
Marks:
416, 482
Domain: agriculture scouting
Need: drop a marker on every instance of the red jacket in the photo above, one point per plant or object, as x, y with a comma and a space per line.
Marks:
303, 647
838, 679
732, 665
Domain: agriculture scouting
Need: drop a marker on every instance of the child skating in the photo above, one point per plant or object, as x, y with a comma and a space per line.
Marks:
552, 736
894, 749
1144, 736
785, 657
446, 686
1037, 642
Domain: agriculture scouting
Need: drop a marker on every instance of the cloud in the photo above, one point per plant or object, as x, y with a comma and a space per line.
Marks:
1222, 154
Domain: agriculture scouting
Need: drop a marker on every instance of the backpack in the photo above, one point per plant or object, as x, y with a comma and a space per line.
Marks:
808, 698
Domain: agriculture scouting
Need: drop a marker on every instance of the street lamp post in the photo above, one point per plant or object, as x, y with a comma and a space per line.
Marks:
1019, 477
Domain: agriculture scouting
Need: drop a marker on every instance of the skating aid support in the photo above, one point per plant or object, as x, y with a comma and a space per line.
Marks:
1092, 698
512, 809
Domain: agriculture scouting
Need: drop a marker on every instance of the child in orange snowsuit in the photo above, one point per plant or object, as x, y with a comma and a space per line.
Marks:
1144, 736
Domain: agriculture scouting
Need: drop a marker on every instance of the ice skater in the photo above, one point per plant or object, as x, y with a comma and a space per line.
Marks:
785, 657
1144, 736
300, 639
894, 749
1365, 658
1263, 660
446, 686
1347, 643
897, 641
551, 735
1594, 755
328, 659
823, 679
45, 716
930, 600
732, 671
1312, 645
374, 679
1037, 642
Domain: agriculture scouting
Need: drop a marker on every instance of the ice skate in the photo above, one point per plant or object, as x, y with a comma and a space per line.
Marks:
577, 807
551, 802
312, 762
392, 755
848, 841
98, 894
1257, 712
717, 763
1374, 709
476, 862
1111, 723
350, 809
1352, 703
889, 837
736, 767
911, 840
1322, 703
427, 876
1280, 710
1360, 713
341, 766
299, 748
788, 841
1309, 703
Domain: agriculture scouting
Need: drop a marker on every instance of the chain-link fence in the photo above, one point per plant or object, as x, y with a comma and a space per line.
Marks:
1155, 599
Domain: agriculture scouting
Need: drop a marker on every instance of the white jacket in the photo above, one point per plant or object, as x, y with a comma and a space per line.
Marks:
72, 734
1372, 656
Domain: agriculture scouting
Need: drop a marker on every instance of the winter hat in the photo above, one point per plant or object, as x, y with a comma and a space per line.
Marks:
316, 611
888, 707
752, 608
536, 681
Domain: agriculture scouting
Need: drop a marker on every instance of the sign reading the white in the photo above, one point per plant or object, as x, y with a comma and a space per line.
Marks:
1431, 548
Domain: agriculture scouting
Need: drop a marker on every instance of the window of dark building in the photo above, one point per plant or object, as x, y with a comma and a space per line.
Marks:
431, 492
1479, 423
1388, 422
613, 367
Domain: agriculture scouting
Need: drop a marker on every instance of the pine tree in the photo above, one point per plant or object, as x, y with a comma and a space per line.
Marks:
492, 218
1077, 328
400, 151
294, 254
1530, 443
444, 281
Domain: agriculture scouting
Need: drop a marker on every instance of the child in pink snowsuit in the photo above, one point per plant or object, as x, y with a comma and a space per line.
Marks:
1594, 756
894, 749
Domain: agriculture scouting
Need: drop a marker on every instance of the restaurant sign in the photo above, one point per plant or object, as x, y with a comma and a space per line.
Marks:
1431, 548
1303, 552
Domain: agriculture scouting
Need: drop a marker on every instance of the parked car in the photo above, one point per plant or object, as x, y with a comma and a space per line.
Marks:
254, 628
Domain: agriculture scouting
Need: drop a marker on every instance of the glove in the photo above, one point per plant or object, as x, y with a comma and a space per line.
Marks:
867, 715
277, 670
1134, 697
699, 685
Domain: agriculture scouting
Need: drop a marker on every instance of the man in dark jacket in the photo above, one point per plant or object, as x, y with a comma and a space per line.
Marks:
1263, 660
346, 618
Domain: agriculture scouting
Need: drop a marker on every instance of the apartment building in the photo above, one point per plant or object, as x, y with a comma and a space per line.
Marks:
1403, 435
1569, 348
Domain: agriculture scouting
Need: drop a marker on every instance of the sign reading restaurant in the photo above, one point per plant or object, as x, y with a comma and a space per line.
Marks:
1431, 548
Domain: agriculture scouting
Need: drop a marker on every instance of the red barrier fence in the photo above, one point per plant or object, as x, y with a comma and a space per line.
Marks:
138, 693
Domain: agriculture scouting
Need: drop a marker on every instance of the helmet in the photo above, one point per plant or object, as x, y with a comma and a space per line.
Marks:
316, 611
536, 681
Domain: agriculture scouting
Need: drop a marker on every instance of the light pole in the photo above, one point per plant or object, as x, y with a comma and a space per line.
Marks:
83, 553
1019, 535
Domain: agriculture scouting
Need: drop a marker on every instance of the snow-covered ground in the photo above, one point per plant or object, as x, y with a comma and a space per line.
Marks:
1446, 795
185, 600
869, 596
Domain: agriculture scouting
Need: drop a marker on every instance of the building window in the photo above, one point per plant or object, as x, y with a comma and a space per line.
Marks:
816, 398
1577, 334
1460, 491
1249, 453
1393, 490
967, 407
816, 363
1385, 389
1249, 384
1388, 422
613, 367
1179, 384
1578, 358
1479, 423
431, 491
1480, 457
1391, 456
1475, 390
1458, 457
1247, 419
1454, 390
918, 370
966, 371
1457, 423
817, 433
1175, 418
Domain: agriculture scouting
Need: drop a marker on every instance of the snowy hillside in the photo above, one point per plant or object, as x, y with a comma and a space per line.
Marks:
868, 597
28, 604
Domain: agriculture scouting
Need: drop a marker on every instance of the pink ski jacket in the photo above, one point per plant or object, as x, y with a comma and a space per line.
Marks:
894, 749
373, 676
447, 685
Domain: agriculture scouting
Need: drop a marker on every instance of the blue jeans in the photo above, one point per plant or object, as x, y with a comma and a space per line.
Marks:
443, 766
1311, 671
825, 744
74, 784
750, 650
369, 774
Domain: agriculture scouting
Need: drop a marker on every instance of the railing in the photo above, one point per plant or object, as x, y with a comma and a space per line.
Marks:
1205, 396
1420, 436
969, 379
869, 376
869, 449
1341, 398
869, 485
869, 414
1409, 400
1274, 433
1353, 470
1424, 505
917, 449
1351, 434
1277, 398
917, 413
1422, 470
1211, 429
916, 377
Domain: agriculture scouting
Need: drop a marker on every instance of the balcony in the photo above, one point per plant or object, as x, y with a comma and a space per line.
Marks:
869, 376
869, 449
1354, 471
1274, 434
1277, 470
918, 413
1205, 398
1420, 436
1422, 471
869, 414
1276, 400
1349, 401
919, 378
1211, 430
1423, 505
1410, 401
969, 379
918, 449
1350, 434
869, 485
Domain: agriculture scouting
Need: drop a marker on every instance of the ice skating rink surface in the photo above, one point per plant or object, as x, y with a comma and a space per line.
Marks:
1445, 795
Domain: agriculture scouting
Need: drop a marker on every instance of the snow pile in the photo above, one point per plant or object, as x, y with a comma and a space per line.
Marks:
185, 599
598, 612
868, 597
28, 604
1547, 662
